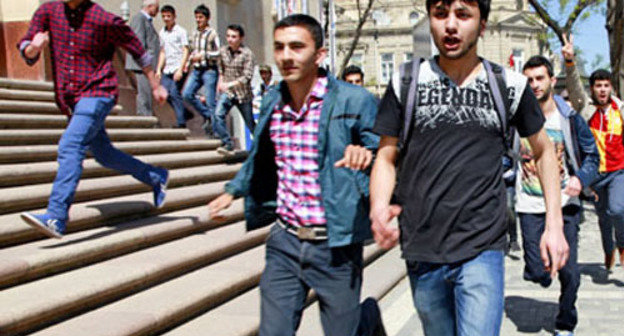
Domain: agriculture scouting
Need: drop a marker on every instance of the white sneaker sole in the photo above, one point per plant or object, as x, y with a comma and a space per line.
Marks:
35, 223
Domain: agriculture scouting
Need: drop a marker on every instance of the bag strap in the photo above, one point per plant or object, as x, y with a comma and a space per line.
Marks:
410, 96
498, 87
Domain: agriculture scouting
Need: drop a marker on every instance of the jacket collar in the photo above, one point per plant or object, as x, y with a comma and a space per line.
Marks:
563, 106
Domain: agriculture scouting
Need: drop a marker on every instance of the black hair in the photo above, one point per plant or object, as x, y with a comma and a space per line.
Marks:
168, 9
484, 6
538, 61
350, 70
600, 74
238, 28
306, 21
202, 9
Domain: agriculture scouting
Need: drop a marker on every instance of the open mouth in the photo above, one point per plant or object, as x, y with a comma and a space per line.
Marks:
451, 43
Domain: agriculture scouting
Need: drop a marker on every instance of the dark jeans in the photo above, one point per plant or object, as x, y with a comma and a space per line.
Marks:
174, 98
460, 299
293, 267
610, 209
532, 226
208, 79
224, 105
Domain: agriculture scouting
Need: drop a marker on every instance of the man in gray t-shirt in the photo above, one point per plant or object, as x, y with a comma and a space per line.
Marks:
450, 194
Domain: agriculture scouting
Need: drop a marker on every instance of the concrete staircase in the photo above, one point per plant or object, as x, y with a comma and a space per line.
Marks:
124, 267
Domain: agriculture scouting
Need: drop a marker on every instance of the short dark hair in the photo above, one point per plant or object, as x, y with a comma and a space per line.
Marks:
484, 6
538, 61
350, 70
600, 74
168, 9
238, 28
202, 9
306, 21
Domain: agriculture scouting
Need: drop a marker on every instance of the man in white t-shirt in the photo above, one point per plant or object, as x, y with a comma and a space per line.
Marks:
174, 49
578, 166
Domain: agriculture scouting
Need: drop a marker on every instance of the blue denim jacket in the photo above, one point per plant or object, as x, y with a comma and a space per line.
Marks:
347, 117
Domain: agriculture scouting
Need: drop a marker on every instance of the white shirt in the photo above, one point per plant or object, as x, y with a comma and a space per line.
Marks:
173, 41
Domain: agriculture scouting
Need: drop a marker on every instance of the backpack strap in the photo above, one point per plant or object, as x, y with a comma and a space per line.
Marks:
409, 97
498, 87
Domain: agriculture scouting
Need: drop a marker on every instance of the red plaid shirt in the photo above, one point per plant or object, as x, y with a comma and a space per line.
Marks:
82, 44
295, 137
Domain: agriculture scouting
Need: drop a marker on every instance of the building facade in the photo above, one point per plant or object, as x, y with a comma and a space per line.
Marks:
398, 30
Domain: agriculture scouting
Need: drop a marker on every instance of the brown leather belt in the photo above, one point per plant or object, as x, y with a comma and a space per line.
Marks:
304, 232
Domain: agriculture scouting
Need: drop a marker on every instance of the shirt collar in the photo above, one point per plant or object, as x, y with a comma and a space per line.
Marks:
149, 18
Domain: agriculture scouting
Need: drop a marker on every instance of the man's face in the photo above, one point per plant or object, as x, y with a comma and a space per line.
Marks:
201, 20
168, 18
456, 27
295, 53
541, 83
601, 91
152, 9
354, 78
266, 76
233, 38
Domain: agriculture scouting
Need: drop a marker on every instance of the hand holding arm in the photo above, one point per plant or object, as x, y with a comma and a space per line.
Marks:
355, 157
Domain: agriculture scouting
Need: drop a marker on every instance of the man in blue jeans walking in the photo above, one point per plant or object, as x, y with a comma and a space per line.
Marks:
307, 175
578, 159
203, 57
86, 90
450, 193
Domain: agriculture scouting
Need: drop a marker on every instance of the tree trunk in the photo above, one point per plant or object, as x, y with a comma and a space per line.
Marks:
615, 29
362, 17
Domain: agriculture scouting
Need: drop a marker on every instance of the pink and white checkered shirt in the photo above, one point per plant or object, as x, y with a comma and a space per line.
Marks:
295, 137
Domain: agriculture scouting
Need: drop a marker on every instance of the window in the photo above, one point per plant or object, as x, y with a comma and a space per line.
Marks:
357, 60
408, 56
518, 59
387, 67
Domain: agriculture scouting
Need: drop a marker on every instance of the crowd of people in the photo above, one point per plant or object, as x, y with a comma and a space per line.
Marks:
452, 140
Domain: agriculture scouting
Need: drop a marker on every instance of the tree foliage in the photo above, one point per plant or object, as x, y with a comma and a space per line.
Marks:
364, 12
560, 26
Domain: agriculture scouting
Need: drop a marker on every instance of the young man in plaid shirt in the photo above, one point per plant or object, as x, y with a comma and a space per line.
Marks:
236, 64
307, 174
84, 37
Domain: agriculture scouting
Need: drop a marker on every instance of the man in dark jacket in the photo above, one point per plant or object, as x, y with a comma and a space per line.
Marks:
307, 175
578, 166
143, 27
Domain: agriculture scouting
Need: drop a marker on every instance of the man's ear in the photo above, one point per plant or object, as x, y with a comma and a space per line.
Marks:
321, 53
482, 26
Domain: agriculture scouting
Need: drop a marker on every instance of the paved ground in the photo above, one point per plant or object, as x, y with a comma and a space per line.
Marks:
530, 309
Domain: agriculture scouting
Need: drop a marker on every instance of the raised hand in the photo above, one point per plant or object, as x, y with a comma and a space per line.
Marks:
567, 50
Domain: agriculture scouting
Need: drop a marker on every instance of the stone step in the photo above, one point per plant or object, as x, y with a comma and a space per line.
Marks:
52, 136
159, 308
26, 121
241, 316
226, 256
110, 211
24, 263
38, 107
44, 172
30, 95
33, 153
22, 84
15, 199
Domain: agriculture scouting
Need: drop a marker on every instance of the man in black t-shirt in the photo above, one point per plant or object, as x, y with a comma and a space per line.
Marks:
450, 194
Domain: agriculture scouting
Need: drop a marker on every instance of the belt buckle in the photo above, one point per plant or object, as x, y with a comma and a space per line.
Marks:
306, 233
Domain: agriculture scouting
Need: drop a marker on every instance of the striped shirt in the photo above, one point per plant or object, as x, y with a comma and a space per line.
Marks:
295, 137
606, 126
205, 43
237, 66
82, 45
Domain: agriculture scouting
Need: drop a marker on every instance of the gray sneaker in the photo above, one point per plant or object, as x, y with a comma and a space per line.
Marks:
226, 150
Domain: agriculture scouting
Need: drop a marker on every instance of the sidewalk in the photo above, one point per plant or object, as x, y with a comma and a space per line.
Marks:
530, 309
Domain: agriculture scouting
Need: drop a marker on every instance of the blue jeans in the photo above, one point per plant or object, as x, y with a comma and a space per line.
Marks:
175, 97
86, 131
610, 209
532, 226
208, 79
460, 299
293, 267
224, 105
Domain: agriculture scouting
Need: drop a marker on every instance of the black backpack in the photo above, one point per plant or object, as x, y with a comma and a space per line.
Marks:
409, 96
